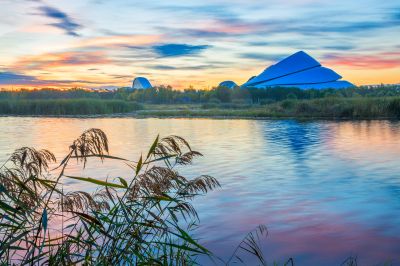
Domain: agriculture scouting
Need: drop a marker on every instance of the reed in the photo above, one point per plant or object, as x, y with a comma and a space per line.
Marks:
142, 220
326, 108
66, 107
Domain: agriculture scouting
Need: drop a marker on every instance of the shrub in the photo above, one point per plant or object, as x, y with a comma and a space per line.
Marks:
288, 104
394, 107
266, 101
67, 107
214, 100
291, 96
305, 107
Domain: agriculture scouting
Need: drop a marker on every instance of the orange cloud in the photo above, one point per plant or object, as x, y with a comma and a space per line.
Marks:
54, 60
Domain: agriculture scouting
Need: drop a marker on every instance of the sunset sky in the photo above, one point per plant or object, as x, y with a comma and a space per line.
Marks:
99, 43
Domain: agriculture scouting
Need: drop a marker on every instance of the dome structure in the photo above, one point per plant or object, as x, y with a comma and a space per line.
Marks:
298, 70
141, 83
228, 83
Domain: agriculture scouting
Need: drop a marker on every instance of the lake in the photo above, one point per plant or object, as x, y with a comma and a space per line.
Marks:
325, 190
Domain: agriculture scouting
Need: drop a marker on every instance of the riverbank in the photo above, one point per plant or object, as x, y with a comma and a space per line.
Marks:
324, 108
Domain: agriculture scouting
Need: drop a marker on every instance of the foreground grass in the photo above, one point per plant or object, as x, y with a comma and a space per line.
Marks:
342, 108
144, 219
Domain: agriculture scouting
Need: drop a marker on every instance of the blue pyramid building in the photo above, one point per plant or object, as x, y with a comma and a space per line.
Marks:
298, 70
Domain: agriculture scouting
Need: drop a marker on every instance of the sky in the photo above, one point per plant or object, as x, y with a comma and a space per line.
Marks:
99, 43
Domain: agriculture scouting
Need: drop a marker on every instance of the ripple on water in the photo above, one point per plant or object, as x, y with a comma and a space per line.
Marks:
326, 190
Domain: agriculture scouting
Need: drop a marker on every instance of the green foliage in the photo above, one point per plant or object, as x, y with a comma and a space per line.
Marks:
167, 95
146, 221
66, 107
329, 107
291, 96
223, 94
334, 107
357, 102
47, 93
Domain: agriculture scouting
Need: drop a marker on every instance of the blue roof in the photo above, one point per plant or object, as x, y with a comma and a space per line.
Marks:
228, 83
297, 70
141, 83
340, 84
313, 75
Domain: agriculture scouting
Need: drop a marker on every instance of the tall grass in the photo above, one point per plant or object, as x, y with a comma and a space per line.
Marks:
142, 220
358, 107
66, 107
330, 107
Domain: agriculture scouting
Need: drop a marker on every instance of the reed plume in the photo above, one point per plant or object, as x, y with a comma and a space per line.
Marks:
134, 220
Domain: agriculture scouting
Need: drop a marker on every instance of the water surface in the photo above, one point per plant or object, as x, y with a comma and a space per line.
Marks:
325, 190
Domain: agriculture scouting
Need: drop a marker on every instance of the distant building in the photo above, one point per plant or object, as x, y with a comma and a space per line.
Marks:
251, 78
301, 71
141, 83
228, 83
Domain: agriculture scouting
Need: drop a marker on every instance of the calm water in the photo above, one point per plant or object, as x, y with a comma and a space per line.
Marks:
325, 190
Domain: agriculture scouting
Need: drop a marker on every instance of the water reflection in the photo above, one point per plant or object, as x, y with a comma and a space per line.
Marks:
299, 137
326, 190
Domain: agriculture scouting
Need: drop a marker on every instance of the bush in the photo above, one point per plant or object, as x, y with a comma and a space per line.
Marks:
288, 104
67, 107
241, 102
291, 96
305, 107
394, 107
214, 100
209, 105
266, 101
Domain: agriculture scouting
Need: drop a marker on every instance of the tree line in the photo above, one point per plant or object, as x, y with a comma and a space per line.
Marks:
167, 95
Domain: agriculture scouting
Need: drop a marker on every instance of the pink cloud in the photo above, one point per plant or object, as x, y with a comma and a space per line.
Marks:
51, 60
376, 61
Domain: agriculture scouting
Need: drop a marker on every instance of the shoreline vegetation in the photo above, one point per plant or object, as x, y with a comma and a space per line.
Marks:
382, 102
326, 109
143, 219
60, 107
